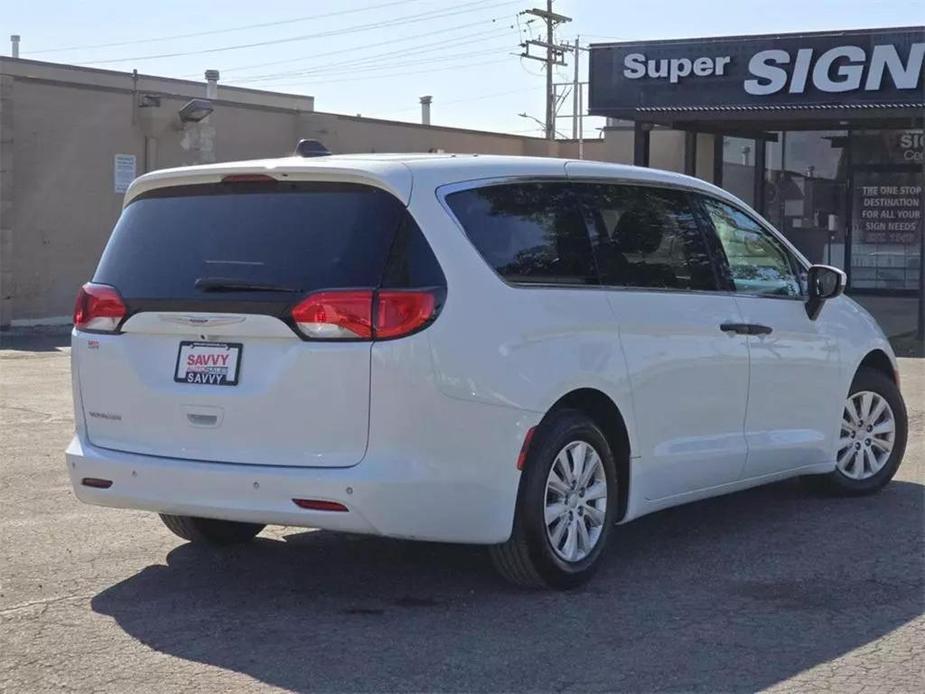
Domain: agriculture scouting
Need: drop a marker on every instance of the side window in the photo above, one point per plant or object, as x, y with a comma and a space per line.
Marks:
528, 232
758, 263
648, 238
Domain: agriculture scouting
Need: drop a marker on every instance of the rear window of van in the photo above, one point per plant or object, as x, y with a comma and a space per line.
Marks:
294, 236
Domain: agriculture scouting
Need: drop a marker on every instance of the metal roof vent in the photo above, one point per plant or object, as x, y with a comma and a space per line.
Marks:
311, 148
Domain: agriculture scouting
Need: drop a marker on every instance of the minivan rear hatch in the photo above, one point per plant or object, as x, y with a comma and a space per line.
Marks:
207, 364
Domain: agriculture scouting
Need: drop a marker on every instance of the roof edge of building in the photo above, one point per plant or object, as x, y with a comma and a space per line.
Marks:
26, 68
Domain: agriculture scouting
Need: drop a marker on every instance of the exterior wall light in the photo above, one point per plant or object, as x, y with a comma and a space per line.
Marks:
195, 110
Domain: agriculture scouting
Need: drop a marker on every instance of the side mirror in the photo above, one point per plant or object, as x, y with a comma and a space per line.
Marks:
823, 282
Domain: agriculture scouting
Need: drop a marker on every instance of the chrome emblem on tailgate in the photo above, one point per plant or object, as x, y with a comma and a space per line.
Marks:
202, 320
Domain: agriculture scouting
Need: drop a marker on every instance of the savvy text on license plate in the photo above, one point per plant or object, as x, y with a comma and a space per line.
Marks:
208, 363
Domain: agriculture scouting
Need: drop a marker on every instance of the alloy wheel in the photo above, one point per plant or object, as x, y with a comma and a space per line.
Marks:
868, 432
576, 501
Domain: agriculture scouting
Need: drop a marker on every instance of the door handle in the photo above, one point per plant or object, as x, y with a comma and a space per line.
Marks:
758, 329
203, 416
745, 328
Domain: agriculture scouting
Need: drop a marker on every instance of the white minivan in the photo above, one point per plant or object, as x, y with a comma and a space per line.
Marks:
508, 351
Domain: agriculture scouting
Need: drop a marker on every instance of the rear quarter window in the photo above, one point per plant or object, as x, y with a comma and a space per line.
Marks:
528, 232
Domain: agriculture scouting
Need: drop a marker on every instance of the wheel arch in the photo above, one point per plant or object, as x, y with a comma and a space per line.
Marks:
878, 360
604, 412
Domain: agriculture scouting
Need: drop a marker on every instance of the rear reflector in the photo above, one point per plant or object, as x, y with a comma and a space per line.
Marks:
348, 314
98, 307
319, 505
525, 448
96, 483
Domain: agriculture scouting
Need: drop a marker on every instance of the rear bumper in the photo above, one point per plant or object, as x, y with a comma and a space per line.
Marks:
383, 498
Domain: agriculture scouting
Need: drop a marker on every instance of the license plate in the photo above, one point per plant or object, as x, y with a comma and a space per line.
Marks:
208, 363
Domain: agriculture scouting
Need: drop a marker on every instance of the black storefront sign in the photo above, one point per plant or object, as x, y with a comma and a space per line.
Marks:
869, 67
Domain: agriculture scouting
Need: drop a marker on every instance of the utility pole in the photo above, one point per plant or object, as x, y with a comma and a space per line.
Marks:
550, 94
555, 55
576, 89
578, 96
578, 106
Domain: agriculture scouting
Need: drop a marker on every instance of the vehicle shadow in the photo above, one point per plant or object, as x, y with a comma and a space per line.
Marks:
731, 594
36, 340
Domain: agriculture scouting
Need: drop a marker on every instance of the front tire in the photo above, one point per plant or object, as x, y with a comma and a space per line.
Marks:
872, 439
565, 508
210, 530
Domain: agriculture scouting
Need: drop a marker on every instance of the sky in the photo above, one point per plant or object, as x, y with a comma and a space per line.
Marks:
377, 57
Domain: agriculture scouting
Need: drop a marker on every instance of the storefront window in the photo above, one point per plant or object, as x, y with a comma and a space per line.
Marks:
818, 183
886, 209
739, 168
806, 192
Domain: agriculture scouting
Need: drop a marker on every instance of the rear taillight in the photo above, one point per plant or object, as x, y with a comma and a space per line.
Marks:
349, 314
338, 315
99, 307
401, 313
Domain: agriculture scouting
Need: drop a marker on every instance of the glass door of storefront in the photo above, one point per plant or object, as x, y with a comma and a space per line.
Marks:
849, 199
807, 192
886, 211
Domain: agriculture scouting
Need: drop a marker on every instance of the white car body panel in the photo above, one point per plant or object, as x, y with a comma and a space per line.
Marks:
131, 406
448, 408
792, 417
688, 411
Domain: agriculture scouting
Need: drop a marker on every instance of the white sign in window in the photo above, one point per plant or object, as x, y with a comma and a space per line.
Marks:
123, 171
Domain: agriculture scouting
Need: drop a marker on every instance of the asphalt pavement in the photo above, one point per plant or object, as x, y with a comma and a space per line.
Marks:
771, 588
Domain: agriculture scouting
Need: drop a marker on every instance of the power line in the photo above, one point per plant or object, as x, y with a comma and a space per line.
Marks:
262, 25
408, 19
379, 68
353, 49
401, 53
468, 39
607, 36
402, 73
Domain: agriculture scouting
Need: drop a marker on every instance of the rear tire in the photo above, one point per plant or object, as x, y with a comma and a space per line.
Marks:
564, 553
855, 475
211, 531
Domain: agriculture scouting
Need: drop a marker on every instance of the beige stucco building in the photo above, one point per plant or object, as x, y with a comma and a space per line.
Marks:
71, 137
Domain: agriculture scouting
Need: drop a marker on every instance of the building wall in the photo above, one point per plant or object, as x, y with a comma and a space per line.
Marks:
63, 202
6, 198
61, 126
666, 150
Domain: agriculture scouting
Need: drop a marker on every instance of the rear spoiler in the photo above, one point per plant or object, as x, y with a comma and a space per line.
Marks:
393, 177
